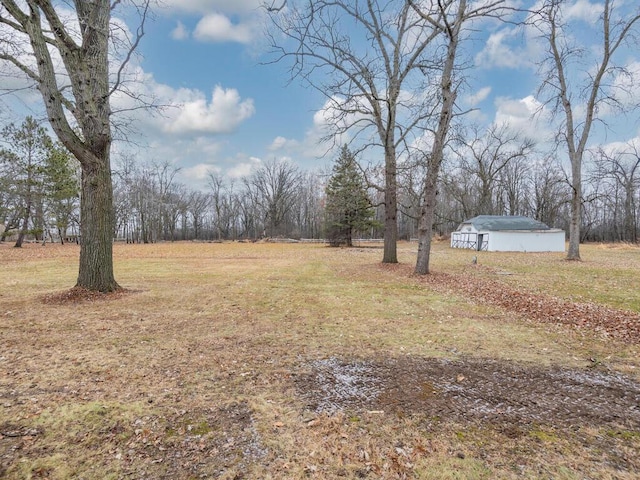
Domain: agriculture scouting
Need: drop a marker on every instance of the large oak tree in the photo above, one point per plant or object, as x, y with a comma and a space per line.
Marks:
64, 49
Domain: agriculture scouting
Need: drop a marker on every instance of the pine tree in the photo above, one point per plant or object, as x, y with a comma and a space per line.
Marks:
348, 208
27, 152
62, 182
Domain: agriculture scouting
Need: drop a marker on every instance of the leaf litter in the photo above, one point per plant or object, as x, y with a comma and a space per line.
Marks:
605, 321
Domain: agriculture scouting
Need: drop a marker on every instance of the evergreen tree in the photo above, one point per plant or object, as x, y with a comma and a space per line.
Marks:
62, 187
348, 208
28, 147
10, 198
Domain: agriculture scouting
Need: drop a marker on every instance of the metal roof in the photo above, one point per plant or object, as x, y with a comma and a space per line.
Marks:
504, 222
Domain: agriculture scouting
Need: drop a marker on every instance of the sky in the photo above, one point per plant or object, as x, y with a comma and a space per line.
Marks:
230, 109
238, 108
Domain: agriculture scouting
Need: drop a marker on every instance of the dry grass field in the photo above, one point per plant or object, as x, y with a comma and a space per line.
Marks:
292, 361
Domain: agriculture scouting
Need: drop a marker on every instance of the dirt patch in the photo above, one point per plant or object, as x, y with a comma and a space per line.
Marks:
473, 390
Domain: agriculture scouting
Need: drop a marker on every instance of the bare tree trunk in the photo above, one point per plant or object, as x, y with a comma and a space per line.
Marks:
390, 254
448, 94
25, 222
425, 224
629, 215
576, 210
96, 229
366, 78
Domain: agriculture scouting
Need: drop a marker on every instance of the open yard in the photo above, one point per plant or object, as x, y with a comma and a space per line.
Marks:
291, 361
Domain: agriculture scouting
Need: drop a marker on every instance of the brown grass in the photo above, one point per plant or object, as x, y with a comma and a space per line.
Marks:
193, 371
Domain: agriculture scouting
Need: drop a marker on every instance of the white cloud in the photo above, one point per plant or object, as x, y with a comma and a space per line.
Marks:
584, 10
498, 52
209, 6
281, 143
308, 150
192, 113
244, 168
341, 113
199, 173
278, 143
625, 84
478, 97
478, 116
216, 27
220, 20
185, 133
423, 143
180, 32
619, 147
313, 145
325, 122
526, 116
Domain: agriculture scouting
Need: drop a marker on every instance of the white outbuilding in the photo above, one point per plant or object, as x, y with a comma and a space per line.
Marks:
501, 233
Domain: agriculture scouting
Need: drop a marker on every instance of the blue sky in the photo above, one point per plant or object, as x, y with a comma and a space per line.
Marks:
230, 112
203, 65
219, 46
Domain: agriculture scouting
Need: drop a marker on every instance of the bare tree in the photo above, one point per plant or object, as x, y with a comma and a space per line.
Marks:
411, 176
274, 187
458, 190
581, 96
222, 202
145, 200
310, 205
197, 205
486, 156
125, 178
448, 20
548, 193
622, 168
176, 199
247, 209
68, 61
165, 204
367, 57
513, 185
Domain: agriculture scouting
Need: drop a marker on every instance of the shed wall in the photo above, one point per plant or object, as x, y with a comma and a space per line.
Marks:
527, 241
